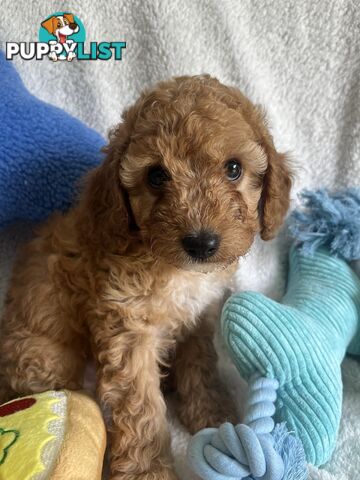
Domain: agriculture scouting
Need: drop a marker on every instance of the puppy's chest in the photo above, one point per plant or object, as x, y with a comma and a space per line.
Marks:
185, 297
171, 301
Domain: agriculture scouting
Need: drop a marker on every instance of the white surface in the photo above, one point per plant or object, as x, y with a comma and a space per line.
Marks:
301, 59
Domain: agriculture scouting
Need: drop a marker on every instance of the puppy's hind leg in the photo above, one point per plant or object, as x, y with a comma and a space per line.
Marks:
203, 399
32, 362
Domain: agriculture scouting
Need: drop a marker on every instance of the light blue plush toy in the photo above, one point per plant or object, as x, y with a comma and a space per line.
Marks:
302, 340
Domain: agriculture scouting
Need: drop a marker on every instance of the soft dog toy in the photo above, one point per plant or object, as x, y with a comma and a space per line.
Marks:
43, 152
301, 341
51, 436
255, 449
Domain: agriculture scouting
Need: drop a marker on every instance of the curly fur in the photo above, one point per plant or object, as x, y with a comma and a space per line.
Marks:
111, 279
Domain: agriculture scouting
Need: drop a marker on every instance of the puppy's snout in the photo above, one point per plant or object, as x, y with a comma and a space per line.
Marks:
201, 245
73, 26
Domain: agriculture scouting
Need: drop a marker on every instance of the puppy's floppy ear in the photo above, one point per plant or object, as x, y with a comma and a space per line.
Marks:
106, 204
70, 17
275, 196
50, 24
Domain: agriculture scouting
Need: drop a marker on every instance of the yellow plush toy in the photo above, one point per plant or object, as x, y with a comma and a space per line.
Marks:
55, 435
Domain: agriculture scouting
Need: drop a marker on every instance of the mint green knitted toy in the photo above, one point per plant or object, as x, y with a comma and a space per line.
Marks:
302, 340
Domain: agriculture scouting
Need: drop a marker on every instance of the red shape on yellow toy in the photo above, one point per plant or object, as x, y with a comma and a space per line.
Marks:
16, 406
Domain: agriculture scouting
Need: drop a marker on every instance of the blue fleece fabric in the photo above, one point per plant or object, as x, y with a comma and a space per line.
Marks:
43, 152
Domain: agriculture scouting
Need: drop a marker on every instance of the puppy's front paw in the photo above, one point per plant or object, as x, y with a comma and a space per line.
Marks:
71, 56
53, 56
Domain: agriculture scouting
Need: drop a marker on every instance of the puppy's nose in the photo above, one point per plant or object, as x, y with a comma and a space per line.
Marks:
201, 245
73, 26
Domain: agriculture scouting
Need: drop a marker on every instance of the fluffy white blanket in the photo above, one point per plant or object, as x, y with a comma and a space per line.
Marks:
301, 59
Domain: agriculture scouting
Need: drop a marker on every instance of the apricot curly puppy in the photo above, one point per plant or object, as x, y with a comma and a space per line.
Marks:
191, 175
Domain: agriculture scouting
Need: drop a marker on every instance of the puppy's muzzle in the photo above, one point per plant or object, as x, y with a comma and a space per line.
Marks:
201, 245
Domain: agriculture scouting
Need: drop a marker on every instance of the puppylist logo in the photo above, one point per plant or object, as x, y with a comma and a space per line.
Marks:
62, 37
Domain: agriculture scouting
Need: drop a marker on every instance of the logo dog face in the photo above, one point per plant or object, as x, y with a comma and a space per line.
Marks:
61, 26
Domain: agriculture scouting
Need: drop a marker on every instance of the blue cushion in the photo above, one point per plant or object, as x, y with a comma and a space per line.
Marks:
43, 152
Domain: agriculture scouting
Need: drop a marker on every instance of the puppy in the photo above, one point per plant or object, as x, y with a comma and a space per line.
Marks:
62, 27
191, 175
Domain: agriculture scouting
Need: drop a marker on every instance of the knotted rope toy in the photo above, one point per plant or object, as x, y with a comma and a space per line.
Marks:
330, 221
302, 340
255, 449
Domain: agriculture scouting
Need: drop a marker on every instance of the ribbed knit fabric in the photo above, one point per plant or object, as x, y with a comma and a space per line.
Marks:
301, 342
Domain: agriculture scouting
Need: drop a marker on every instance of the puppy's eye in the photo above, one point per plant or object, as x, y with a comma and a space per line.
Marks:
157, 176
233, 169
